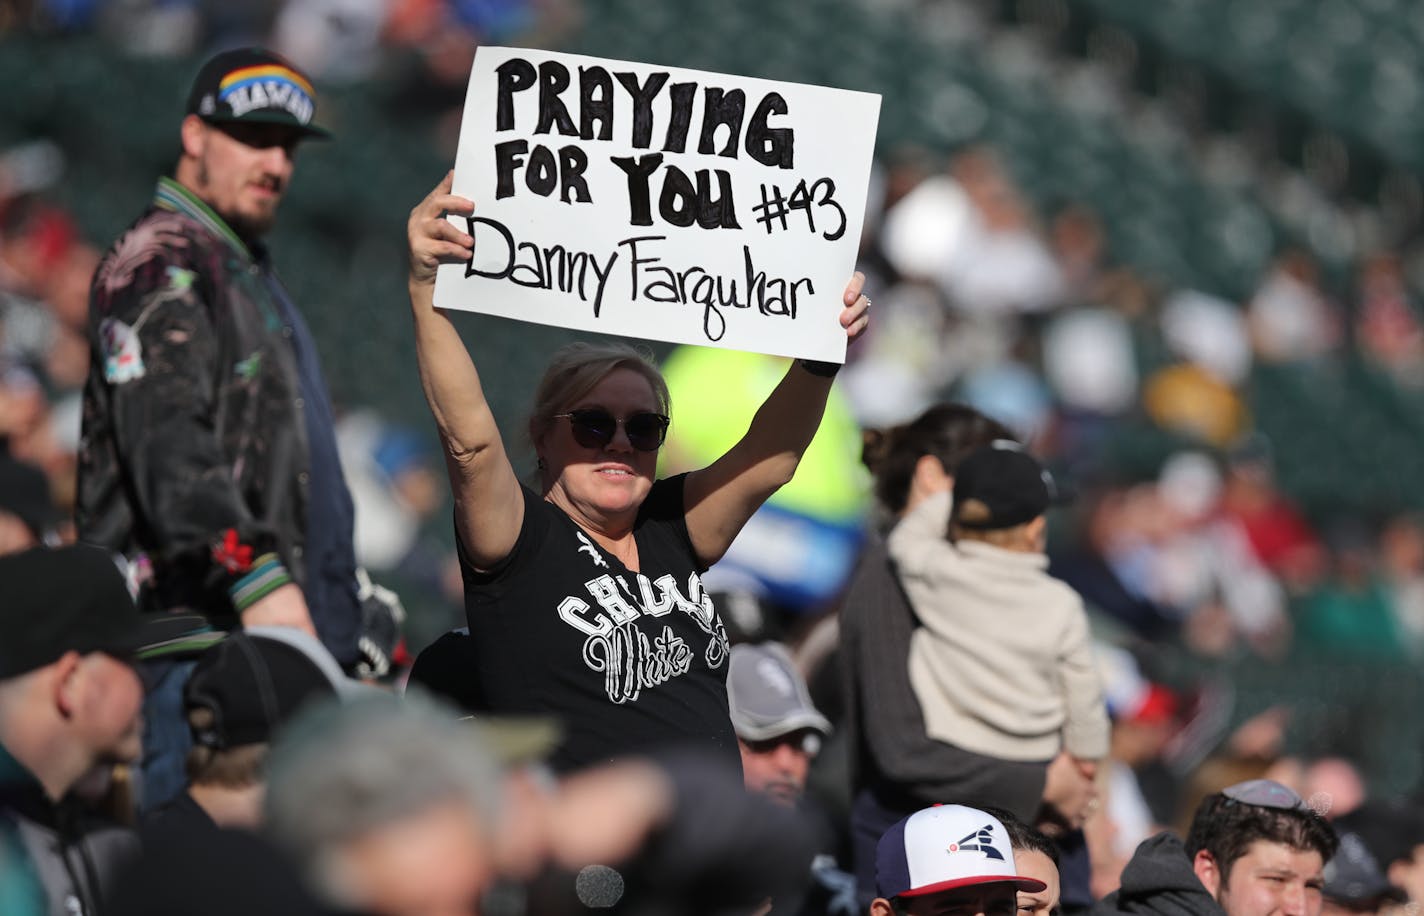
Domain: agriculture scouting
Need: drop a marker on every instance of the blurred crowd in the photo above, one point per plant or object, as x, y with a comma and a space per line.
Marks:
338, 41
1030, 318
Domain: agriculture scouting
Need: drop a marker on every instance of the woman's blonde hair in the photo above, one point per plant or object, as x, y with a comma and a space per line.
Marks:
577, 368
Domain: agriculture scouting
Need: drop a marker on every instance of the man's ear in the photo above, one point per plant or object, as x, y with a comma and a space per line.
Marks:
1204, 864
66, 683
194, 135
1037, 533
881, 907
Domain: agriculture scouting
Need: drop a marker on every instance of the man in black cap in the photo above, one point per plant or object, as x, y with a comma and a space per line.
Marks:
69, 703
208, 457
241, 692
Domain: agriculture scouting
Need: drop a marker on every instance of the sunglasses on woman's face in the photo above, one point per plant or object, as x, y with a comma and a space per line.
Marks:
594, 427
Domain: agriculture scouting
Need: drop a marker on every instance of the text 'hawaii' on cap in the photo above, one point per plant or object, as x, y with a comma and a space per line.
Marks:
254, 86
944, 848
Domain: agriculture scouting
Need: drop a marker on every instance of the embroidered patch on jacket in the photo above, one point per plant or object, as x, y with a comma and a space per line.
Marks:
138, 573
180, 280
123, 355
232, 554
247, 369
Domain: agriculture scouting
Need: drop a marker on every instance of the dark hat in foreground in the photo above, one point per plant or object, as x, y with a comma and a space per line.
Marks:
443, 669
24, 493
442, 672
255, 680
767, 695
1390, 828
230, 873
254, 86
1353, 878
1008, 481
73, 599
945, 848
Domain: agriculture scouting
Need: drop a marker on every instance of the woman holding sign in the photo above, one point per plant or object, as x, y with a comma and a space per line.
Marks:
584, 599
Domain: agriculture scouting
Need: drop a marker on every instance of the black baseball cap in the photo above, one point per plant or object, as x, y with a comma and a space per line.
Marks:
255, 680
74, 599
1390, 828
1009, 481
443, 669
1353, 877
254, 86
25, 493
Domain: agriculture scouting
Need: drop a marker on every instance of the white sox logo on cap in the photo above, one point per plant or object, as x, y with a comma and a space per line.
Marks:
983, 841
913, 859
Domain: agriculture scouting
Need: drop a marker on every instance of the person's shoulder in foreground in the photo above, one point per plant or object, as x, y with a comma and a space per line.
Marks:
70, 701
1253, 849
1159, 879
948, 859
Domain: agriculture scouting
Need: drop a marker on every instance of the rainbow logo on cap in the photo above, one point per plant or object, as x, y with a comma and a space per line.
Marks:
263, 72
268, 86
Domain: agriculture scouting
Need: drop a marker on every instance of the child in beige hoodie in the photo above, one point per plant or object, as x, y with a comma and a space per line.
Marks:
1002, 664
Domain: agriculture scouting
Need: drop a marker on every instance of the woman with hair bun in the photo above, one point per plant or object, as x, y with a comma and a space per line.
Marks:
896, 768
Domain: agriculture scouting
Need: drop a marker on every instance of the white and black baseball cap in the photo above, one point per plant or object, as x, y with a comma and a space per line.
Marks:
944, 848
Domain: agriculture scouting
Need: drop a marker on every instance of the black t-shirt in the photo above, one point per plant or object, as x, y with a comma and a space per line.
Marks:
628, 662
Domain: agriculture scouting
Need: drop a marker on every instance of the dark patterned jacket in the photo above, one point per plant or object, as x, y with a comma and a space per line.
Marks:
194, 457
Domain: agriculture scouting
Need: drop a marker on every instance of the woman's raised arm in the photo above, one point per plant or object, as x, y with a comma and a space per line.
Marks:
722, 496
489, 507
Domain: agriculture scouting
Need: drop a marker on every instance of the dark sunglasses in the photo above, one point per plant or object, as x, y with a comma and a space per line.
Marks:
806, 741
594, 427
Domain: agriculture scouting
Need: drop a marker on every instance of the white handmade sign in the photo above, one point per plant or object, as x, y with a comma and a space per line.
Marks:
660, 203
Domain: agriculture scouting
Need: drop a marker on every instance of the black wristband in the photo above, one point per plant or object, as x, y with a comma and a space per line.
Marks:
818, 368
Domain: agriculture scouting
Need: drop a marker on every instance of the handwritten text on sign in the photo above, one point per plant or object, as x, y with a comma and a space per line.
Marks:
660, 203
